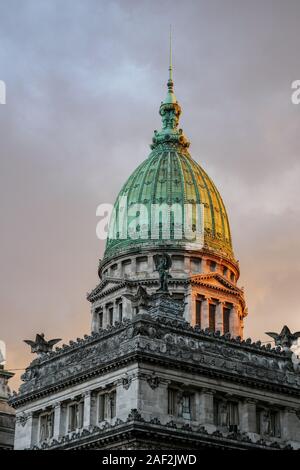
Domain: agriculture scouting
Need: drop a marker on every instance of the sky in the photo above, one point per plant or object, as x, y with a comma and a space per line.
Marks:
84, 81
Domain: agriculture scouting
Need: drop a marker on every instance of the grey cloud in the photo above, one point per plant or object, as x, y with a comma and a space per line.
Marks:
84, 84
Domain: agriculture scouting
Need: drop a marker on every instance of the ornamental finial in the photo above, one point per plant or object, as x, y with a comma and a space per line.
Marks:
170, 60
170, 111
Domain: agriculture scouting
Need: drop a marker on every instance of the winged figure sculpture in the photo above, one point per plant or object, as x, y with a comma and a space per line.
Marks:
285, 338
141, 299
40, 345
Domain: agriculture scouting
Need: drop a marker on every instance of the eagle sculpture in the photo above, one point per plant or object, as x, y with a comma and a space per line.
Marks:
40, 345
285, 338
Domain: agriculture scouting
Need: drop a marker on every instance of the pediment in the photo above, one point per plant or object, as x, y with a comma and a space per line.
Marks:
214, 280
105, 286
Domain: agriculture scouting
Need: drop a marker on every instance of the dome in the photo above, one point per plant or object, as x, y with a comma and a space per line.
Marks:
169, 178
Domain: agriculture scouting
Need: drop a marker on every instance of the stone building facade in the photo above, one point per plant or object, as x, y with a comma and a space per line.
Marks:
7, 413
164, 368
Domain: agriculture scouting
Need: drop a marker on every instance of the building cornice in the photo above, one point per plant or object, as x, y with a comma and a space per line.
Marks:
170, 344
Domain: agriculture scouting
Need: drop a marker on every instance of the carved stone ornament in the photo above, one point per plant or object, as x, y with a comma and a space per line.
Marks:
153, 381
40, 345
285, 338
126, 381
140, 300
22, 419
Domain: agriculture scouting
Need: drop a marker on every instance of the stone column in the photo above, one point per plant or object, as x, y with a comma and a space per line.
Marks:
116, 311
188, 309
206, 407
63, 428
193, 308
234, 321
248, 416
219, 317
57, 421
127, 308
105, 316
35, 429
205, 313
87, 408
95, 322
290, 426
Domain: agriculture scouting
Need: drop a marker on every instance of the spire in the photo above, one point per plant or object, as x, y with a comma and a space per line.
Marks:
170, 59
170, 112
171, 98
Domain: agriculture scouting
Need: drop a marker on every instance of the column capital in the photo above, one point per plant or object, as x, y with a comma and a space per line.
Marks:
208, 391
250, 401
290, 409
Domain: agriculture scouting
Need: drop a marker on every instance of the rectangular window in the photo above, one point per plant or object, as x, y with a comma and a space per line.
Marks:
186, 406
76, 411
198, 312
142, 264
107, 406
171, 402
112, 404
226, 317
268, 422
100, 317
195, 265
213, 265
258, 421
233, 415
212, 317
46, 426
72, 417
226, 414
225, 271
120, 312
102, 407
216, 412
80, 411
275, 423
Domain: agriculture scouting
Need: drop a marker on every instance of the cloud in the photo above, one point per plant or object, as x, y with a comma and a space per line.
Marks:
84, 83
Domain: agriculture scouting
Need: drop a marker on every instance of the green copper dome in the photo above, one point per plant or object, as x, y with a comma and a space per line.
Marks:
169, 176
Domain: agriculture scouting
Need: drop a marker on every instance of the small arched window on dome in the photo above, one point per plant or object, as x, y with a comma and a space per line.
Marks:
213, 266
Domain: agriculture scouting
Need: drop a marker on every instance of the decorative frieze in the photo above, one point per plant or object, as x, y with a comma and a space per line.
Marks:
165, 340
